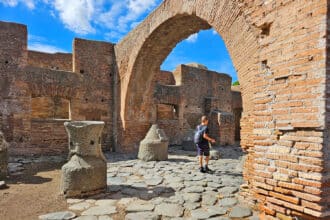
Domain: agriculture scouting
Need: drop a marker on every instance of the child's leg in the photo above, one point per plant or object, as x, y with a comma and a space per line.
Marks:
200, 160
207, 158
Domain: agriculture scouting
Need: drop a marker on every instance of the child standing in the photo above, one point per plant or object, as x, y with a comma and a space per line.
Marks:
202, 139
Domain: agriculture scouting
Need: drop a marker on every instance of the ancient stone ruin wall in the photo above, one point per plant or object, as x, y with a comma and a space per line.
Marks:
197, 92
42, 91
56, 61
280, 51
39, 95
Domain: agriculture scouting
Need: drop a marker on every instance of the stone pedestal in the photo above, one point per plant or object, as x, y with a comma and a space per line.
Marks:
3, 157
86, 171
154, 146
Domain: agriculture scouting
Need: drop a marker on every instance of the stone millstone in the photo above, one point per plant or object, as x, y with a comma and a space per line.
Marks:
154, 147
3, 157
86, 171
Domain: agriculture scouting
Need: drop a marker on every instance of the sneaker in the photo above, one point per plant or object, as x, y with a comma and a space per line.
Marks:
202, 170
207, 169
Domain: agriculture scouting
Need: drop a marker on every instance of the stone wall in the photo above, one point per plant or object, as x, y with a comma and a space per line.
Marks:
46, 92
39, 95
280, 51
180, 106
56, 61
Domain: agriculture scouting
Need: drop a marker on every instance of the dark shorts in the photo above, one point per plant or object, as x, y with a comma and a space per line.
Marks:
203, 150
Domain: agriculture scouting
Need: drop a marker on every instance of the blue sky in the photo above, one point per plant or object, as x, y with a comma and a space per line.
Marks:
52, 25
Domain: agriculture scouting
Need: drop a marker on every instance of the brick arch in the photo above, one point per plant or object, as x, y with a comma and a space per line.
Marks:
279, 49
141, 52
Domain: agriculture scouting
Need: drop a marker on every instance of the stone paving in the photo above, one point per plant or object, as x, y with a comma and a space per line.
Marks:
172, 189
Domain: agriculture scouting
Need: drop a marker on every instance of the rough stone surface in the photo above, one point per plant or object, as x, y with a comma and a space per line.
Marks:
87, 217
209, 198
240, 212
169, 210
180, 168
228, 191
80, 206
200, 214
58, 216
100, 210
85, 172
3, 157
192, 197
140, 207
228, 202
154, 146
216, 210
141, 216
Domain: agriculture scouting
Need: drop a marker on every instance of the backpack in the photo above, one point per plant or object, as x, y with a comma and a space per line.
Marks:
198, 136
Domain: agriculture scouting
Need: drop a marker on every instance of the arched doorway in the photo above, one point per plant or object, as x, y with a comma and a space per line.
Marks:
140, 54
148, 51
283, 88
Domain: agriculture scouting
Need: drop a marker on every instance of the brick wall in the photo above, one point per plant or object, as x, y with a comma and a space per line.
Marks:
180, 106
39, 93
56, 61
279, 51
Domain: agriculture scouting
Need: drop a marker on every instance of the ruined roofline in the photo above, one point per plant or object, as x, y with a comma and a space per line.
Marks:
13, 24
204, 70
47, 53
91, 41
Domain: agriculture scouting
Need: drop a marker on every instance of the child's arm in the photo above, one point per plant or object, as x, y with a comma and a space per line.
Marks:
208, 138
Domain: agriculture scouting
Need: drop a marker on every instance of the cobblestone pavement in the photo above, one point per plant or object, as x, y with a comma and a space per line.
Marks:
173, 189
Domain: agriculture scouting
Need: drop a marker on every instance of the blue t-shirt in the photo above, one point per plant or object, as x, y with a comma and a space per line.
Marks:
204, 142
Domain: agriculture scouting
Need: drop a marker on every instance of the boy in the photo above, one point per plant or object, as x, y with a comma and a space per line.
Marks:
203, 148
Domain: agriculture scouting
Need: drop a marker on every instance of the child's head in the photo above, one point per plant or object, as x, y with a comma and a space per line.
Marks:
204, 120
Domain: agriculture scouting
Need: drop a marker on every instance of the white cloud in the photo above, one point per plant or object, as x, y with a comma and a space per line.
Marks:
192, 38
13, 3
122, 16
29, 3
10, 3
114, 17
113, 35
34, 38
109, 18
45, 48
76, 14
140, 6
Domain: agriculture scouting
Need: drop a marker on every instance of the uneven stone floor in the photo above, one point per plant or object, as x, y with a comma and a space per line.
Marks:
173, 189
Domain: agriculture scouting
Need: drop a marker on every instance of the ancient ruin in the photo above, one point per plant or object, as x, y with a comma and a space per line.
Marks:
280, 51
154, 146
86, 171
3, 157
